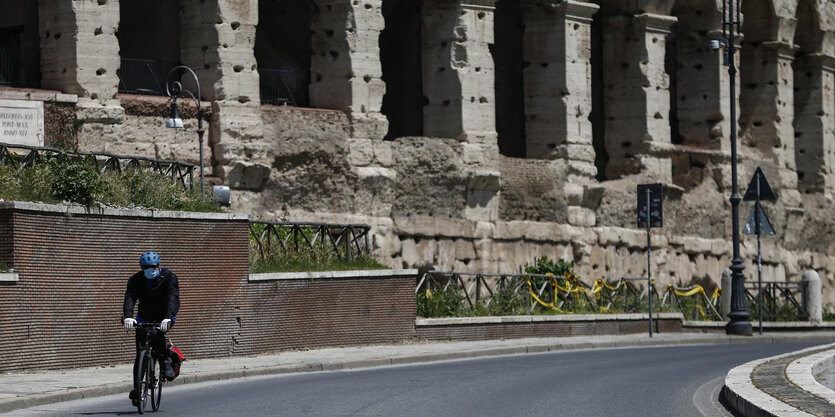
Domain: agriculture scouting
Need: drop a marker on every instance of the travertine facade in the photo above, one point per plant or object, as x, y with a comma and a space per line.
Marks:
413, 129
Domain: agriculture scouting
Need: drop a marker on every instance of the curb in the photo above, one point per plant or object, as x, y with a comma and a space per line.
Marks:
35, 400
745, 398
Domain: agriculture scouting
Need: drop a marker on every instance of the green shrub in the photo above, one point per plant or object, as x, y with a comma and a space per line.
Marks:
74, 179
443, 302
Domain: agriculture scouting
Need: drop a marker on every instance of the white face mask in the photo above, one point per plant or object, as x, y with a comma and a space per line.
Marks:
151, 273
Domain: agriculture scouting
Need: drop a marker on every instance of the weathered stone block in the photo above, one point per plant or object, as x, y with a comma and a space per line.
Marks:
248, 176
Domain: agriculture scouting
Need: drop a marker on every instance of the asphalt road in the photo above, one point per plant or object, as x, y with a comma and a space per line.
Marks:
654, 381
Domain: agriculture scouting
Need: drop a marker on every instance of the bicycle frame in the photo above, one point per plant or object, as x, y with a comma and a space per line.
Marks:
146, 378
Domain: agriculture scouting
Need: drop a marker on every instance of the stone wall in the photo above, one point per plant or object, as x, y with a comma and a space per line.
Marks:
605, 95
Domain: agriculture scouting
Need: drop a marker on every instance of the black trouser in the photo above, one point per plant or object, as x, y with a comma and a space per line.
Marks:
158, 342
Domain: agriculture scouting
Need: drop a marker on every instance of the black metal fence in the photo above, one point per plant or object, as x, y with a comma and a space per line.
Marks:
21, 156
8, 70
781, 300
346, 241
143, 76
284, 87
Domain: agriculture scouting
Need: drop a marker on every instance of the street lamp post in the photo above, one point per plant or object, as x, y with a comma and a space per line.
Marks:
175, 91
738, 323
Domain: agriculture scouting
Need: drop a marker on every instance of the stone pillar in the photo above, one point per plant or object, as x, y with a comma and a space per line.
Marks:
812, 296
703, 85
637, 98
814, 105
217, 41
767, 112
725, 296
345, 69
458, 71
557, 46
79, 49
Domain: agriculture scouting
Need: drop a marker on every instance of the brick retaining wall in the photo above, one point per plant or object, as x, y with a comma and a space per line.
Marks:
73, 264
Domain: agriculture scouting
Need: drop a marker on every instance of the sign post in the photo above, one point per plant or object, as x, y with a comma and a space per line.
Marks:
758, 224
650, 210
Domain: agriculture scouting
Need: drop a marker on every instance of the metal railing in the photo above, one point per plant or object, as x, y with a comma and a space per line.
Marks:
780, 300
143, 76
284, 87
8, 70
346, 241
543, 292
179, 172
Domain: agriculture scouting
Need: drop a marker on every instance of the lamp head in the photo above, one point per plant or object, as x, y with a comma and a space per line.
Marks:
174, 121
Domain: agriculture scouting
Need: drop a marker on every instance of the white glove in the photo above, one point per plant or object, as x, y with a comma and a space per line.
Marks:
165, 324
130, 323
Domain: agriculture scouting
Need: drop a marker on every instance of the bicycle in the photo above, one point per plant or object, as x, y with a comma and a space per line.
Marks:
148, 380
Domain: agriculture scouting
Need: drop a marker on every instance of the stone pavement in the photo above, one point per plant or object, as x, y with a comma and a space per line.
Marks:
38, 387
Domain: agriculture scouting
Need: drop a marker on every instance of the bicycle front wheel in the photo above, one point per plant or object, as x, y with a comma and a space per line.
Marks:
145, 364
156, 387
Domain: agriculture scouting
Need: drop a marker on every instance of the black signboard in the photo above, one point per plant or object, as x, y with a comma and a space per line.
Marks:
654, 202
751, 228
758, 188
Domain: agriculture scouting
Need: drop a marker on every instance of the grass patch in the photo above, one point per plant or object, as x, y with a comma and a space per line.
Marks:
305, 263
62, 178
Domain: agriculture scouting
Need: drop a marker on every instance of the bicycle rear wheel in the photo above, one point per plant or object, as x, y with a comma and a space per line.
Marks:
156, 387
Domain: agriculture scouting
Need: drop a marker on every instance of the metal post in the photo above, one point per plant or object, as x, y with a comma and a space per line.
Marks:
759, 255
649, 262
738, 323
200, 132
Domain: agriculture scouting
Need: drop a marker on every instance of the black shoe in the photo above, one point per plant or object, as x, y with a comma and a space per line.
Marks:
134, 397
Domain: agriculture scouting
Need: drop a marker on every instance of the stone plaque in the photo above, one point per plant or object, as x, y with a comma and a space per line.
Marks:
21, 122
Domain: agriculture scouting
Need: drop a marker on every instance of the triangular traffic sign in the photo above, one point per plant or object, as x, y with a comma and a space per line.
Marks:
766, 193
751, 225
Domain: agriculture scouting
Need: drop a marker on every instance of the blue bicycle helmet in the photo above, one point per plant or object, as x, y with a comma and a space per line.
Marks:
149, 259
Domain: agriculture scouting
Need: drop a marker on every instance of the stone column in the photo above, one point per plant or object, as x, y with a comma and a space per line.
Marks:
458, 71
766, 121
637, 98
814, 105
79, 49
345, 69
703, 85
557, 46
217, 41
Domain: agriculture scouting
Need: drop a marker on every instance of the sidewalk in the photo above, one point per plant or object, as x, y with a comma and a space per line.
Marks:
32, 388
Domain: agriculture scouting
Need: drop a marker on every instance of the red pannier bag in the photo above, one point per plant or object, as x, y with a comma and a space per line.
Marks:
177, 358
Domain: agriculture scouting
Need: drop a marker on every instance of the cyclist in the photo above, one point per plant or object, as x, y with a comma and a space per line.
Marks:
158, 293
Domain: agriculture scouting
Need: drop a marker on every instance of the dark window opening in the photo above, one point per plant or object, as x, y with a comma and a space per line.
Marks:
401, 53
671, 67
509, 60
149, 44
283, 50
598, 111
19, 45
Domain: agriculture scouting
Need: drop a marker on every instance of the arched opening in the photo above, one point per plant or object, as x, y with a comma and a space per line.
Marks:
757, 78
400, 58
149, 44
19, 45
283, 50
508, 57
810, 110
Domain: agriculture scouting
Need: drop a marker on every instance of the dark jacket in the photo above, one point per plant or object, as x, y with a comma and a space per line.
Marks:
159, 301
